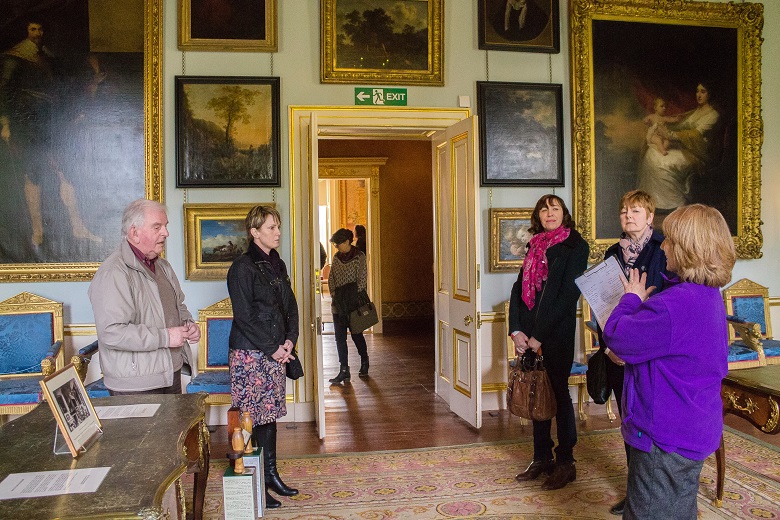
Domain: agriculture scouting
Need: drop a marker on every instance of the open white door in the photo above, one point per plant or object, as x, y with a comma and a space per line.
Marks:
456, 217
313, 225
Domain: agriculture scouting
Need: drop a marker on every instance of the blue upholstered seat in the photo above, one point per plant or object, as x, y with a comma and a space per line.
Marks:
213, 376
740, 352
748, 303
578, 368
31, 332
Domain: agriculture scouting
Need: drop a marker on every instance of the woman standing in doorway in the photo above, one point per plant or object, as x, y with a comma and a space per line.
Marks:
348, 280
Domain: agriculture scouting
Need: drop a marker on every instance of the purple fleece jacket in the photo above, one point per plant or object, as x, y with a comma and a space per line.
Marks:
675, 348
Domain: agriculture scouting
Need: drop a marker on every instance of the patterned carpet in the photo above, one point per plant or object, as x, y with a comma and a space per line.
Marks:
478, 481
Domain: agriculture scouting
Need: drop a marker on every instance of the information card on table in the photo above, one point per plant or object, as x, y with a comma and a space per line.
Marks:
126, 411
50, 483
602, 288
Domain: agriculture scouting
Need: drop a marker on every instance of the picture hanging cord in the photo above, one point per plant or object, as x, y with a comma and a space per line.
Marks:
273, 194
272, 64
487, 66
490, 198
185, 195
549, 64
183, 63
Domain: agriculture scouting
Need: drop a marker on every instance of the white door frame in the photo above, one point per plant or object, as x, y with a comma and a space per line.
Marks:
336, 122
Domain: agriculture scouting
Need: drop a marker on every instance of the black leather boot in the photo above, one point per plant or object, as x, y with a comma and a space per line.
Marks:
272, 479
343, 375
258, 438
363, 367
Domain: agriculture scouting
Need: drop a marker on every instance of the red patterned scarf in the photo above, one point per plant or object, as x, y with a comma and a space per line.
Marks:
535, 266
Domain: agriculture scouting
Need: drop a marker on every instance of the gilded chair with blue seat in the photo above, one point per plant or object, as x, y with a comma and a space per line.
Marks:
80, 361
747, 304
213, 375
31, 332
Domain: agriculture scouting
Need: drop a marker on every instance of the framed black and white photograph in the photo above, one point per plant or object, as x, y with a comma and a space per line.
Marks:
521, 140
76, 418
227, 131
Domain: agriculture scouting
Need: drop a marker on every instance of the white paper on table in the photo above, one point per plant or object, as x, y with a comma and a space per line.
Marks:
126, 411
602, 287
50, 483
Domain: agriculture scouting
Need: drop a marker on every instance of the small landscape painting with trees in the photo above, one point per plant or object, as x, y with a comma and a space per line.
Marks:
227, 131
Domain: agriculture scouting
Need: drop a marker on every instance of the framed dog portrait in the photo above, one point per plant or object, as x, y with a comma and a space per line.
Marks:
510, 231
76, 418
214, 236
227, 131
521, 139
667, 99
519, 25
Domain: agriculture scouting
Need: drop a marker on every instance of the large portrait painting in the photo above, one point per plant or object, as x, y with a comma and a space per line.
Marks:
80, 110
227, 131
375, 41
673, 108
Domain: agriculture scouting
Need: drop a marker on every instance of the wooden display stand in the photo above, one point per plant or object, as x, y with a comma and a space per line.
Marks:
239, 492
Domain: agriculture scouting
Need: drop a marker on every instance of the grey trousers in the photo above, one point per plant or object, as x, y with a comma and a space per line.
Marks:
661, 486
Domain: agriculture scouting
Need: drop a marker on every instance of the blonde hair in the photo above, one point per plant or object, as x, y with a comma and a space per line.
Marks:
256, 217
637, 198
699, 245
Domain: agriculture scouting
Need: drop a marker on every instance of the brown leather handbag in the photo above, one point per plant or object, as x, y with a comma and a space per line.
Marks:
529, 393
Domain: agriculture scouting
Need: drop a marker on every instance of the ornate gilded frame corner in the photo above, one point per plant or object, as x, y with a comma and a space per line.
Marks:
497, 215
267, 44
748, 20
194, 215
331, 72
153, 143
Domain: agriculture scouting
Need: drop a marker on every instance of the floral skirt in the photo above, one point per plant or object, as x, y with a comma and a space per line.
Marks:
258, 385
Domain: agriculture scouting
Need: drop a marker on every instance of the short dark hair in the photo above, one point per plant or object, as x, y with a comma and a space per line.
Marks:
342, 235
546, 200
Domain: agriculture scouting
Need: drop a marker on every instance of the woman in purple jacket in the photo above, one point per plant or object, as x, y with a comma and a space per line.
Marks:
674, 346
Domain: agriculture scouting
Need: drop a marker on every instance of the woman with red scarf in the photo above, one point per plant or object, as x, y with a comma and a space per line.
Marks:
542, 317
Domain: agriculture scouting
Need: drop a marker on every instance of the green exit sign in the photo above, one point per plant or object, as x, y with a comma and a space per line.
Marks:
380, 96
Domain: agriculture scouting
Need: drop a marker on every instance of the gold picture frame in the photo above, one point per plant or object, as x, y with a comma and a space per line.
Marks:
68, 251
214, 236
510, 231
76, 417
621, 69
420, 51
199, 33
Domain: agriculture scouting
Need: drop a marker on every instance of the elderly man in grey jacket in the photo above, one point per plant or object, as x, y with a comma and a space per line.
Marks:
143, 326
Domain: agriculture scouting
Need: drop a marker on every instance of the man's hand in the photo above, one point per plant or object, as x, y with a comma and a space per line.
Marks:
177, 336
193, 332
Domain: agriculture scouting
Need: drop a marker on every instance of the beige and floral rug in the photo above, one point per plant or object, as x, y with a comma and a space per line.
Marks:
477, 481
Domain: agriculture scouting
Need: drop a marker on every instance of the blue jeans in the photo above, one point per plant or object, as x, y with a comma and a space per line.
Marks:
340, 325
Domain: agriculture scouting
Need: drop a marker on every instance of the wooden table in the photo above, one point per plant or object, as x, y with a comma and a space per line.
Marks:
146, 455
753, 394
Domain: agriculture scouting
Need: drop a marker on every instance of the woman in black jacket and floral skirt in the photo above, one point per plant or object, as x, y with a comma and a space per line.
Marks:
262, 339
542, 316
347, 282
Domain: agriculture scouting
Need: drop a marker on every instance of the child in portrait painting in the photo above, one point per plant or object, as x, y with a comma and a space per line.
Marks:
656, 120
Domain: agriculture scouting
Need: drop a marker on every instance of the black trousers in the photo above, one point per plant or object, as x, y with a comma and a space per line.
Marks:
615, 376
340, 326
558, 365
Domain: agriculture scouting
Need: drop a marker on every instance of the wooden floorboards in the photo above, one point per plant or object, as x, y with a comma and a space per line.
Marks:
396, 407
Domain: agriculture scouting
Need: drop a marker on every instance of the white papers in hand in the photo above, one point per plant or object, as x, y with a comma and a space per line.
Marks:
602, 287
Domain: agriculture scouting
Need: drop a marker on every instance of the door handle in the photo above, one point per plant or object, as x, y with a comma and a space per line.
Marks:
467, 320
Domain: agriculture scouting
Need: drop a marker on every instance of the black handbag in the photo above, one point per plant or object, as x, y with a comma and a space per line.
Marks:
293, 368
596, 378
363, 317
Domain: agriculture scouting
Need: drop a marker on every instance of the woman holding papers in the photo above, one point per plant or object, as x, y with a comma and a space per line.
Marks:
542, 316
639, 248
675, 349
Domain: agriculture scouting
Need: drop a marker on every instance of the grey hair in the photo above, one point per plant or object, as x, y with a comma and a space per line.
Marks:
135, 212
